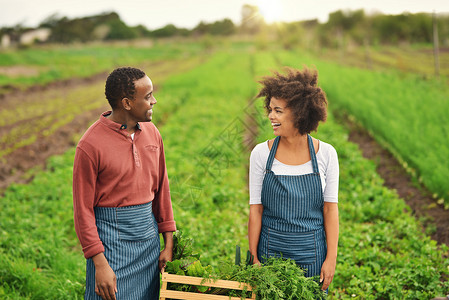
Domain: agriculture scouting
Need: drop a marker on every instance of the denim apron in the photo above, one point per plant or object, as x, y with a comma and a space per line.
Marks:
131, 241
292, 219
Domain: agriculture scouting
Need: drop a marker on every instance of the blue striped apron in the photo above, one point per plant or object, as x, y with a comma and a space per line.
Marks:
131, 240
292, 219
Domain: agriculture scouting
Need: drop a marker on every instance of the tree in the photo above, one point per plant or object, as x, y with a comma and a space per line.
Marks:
169, 31
120, 31
223, 27
252, 21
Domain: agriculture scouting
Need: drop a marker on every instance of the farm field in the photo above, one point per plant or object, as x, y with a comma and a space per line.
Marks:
63, 111
415, 59
403, 112
210, 120
22, 69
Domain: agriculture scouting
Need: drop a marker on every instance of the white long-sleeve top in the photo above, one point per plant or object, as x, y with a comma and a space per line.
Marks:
327, 164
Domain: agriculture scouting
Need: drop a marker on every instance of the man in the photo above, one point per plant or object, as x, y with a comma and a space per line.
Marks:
121, 195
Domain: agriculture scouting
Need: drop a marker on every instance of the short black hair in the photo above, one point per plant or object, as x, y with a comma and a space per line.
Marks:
120, 84
303, 96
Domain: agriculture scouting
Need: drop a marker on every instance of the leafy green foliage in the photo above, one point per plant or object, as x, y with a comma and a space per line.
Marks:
48, 64
37, 237
60, 107
278, 278
398, 111
183, 247
203, 114
380, 243
186, 262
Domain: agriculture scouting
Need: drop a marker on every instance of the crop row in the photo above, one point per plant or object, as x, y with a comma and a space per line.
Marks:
194, 133
404, 113
42, 65
41, 257
383, 253
205, 116
35, 118
407, 59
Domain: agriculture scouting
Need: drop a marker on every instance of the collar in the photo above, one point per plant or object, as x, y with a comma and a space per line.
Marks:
113, 125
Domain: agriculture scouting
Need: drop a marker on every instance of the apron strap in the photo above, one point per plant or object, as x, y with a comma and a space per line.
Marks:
275, 147
272, 154
313, 155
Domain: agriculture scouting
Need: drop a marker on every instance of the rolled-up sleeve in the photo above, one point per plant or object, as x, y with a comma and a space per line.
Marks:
162, 206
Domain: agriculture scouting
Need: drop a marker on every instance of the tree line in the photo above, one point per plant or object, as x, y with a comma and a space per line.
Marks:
343, 26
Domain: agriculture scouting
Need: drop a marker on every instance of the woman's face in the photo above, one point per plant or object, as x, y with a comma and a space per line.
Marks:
281, 118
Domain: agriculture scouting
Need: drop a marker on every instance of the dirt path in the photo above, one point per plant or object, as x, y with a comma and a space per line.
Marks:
15, 167
434, 217
78, 95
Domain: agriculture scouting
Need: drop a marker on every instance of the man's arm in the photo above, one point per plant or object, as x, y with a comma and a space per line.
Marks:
84, 179
105, 279
163, 211
167, 253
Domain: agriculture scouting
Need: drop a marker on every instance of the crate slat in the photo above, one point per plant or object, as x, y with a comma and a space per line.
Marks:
226, 284
196, 296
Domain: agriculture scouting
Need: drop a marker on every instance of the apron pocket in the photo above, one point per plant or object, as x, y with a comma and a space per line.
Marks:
135, 224
299, 246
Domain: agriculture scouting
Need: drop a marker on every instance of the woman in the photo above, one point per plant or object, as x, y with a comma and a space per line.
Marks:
294, 179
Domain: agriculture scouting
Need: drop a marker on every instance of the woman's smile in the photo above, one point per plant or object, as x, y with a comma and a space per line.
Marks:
275, 125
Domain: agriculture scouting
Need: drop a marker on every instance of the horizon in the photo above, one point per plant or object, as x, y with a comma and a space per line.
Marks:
154, 15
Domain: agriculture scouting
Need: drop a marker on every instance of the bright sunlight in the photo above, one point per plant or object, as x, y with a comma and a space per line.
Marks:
270, 10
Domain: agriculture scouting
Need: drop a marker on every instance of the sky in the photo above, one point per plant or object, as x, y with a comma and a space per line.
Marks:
188, 13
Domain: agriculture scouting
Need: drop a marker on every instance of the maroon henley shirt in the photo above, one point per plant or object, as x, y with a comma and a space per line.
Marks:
111, 170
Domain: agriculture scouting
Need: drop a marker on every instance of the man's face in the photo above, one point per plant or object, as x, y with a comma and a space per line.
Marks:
142, 104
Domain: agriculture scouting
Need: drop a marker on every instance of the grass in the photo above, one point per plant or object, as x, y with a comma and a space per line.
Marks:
203, 115
56, 108
404, 113
415, 59
47, 64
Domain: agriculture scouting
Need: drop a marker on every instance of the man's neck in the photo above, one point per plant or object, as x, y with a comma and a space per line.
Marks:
123, 119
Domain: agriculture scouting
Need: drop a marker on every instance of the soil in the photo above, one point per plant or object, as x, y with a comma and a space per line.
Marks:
17, 166
424, 207
14, 71
14, 168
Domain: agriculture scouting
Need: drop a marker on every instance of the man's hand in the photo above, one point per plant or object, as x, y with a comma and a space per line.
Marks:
167, 253
105, 279
164, 256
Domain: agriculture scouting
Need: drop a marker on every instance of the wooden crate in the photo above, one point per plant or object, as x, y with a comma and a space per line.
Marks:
226, 284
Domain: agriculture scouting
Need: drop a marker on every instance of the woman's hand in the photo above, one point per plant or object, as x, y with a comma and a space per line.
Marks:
254, 228
105, 279
256, 262
327, 272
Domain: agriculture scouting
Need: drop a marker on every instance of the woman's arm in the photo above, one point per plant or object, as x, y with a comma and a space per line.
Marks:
254, 227
257, 162
331, 227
